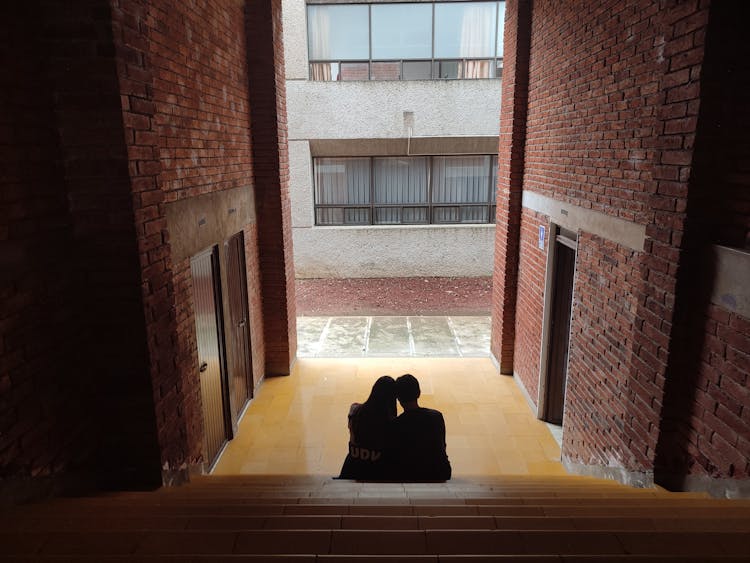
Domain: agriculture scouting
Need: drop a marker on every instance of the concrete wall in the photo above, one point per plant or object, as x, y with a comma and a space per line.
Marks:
387, 251
372, 110
377, 118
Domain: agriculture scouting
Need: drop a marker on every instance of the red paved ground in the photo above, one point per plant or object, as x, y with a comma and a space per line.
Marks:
394, 296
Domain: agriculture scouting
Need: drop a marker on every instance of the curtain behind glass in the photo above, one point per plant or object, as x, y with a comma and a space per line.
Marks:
400, 180
338, 32
500, 28
465, 30
402, 31
342, 181
460, 179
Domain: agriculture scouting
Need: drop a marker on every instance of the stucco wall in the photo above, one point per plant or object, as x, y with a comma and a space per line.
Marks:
429, 250
371, 110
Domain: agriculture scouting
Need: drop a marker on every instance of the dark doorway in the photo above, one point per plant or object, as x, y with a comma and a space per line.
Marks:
559, 335
211, 363
238, 329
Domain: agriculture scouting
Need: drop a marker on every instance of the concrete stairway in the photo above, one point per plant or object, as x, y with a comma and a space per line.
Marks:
316, 519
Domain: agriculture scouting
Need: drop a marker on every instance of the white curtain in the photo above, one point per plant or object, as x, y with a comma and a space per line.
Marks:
478, 30
400, 180
319, 33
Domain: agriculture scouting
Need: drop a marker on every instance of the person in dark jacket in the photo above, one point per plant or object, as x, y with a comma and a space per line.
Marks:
417, 438
368, 426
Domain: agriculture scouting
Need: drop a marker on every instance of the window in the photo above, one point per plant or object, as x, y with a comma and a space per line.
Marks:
405, 41
408, 190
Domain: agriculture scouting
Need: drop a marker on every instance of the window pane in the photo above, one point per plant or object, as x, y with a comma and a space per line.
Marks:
465, 29
417, 70
386, 71
493, 180
449, 69
446, 214
387, 215
500, 28
342, 181
414, 215
357, 216
460, 179
474, 214
400, 180
338, 32
401, 31
324, 71
355, 71
477, 69
329, 216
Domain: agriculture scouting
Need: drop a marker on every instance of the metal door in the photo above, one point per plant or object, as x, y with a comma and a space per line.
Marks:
209, 336
562, 301
239, 356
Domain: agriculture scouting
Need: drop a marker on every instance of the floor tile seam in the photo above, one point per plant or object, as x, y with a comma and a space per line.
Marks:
323, 336
412, 346
366, 337
456, 338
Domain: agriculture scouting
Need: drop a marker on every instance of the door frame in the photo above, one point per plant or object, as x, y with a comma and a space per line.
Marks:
213, 252
555, 237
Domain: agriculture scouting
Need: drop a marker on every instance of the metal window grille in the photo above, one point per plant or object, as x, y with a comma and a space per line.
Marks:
414, 190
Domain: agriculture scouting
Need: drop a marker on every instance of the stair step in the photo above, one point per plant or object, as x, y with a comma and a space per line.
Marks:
378, 542
370, 522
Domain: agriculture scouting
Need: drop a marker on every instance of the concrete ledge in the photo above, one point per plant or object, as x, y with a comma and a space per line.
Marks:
403, 146
572, 217
198, 222
639, 479
719, 488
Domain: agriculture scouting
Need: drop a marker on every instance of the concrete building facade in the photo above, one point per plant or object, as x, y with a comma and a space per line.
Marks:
389, 118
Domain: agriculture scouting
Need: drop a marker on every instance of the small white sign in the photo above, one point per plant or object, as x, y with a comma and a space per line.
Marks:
542, 230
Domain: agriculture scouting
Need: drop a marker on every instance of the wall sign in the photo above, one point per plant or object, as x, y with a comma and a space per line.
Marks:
542, 230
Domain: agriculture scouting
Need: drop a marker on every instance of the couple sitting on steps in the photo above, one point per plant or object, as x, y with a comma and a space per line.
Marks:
383, 447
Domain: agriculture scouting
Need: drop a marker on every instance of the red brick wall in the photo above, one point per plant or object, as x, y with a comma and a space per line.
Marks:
76, 318
530, 306
610, 419
36, 272
719, 421
702, 415
271, 173
510, 180
184, 70
613, 100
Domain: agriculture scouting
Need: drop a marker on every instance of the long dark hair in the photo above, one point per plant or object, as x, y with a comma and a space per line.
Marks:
382, 398
375, 413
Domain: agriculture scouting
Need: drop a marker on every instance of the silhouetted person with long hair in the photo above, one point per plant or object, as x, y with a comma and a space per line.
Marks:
368, 426
417, 438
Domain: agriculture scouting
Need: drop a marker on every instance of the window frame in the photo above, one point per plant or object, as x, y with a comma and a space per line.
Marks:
495, 61
489, 203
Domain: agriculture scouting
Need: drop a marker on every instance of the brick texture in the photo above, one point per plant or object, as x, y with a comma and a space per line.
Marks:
36, 271
186, 106
530, 305
271, 174
613, 103
510, 180
703, 432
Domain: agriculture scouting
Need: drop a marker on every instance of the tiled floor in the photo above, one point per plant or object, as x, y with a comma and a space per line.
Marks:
297, 424
413, 336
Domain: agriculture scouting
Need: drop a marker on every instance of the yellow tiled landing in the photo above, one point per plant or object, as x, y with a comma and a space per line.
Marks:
297, 424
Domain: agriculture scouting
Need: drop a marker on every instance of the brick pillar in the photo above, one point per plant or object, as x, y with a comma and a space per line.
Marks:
267, 93
510, 179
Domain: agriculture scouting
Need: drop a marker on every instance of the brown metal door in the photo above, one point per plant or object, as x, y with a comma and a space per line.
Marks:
238, 329
209, 336
562, 300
